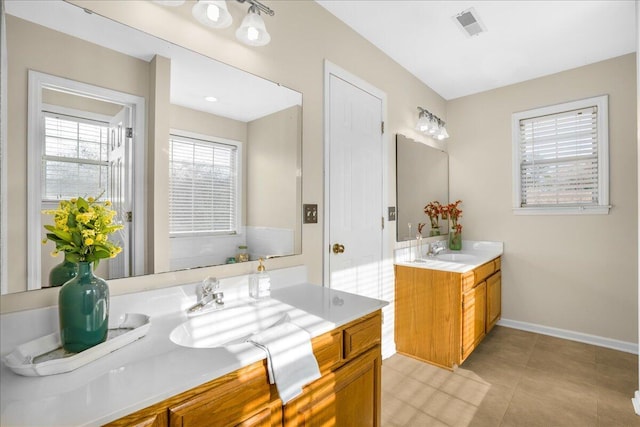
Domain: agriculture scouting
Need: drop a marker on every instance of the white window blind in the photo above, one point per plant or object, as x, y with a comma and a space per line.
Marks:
562, 157
75, 159
203, 186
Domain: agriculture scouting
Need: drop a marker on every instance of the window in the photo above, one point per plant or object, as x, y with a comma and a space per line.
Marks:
203, 186
561, 158
75, 157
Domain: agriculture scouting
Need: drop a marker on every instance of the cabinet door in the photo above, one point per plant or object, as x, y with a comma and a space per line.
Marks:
474, 304
350, 396
427, 314
494, 299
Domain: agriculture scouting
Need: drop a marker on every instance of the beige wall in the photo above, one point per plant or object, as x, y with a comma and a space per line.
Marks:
272, 170
186, 119
574, 272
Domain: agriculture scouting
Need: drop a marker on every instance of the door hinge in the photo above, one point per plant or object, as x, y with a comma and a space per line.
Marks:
129, 132
463, 304
128, 216
382, 222
381, 127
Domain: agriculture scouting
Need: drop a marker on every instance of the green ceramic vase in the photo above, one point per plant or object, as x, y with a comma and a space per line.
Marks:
455, 240
62, 273
83, 305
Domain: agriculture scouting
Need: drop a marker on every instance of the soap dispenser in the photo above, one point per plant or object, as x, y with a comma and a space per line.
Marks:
260, 283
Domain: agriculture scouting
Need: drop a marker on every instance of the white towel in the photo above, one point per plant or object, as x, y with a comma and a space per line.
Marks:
290, 358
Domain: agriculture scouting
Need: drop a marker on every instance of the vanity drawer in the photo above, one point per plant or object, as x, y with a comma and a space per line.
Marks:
498, 263
362, 336
328, 349
233, 399
478, 274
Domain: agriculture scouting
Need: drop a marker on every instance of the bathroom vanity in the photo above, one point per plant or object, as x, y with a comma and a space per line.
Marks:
446, 305
348, 391
155, 382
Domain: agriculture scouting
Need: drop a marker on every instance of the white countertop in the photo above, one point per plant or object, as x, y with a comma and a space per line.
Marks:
472, 255
154, 368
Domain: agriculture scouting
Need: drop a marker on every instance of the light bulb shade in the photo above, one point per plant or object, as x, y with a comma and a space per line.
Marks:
433, 126
252, 31
212, 13
442, 134
423, 124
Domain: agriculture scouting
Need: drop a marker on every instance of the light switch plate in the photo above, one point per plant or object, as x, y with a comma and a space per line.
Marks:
392, 213
310, 214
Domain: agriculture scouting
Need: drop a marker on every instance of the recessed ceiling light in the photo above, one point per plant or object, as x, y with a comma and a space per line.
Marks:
211, 98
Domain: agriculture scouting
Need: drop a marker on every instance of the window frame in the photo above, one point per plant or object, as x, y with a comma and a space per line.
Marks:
239, 184
602, 122
79, 116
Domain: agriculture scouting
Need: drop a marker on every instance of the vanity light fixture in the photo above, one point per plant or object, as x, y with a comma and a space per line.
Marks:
212, 13
431, 125
252, 31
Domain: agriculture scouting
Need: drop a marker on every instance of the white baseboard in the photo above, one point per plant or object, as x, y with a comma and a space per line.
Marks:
636, 402
627, 347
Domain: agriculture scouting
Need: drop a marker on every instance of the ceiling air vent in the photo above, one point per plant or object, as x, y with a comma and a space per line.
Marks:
469, 22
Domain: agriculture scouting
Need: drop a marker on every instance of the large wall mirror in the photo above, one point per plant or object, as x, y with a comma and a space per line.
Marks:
198, 158
422, 176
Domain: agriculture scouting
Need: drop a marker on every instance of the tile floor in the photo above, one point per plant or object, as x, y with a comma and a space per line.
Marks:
514, 378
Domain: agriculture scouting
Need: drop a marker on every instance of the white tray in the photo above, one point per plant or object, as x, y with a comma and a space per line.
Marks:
45, 355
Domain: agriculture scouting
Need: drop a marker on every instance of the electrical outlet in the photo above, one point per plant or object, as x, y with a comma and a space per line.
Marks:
310, 214
392, 213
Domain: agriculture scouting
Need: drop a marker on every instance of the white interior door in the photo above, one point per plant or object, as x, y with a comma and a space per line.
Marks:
355, 189
120, 188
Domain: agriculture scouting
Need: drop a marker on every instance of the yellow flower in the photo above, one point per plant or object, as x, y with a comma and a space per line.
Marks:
88, 233
84, 218
81, 226
44, 241
54, 253
107, 203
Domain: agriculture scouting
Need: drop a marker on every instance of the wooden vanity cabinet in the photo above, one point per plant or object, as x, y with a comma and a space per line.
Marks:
348, 393
442, 316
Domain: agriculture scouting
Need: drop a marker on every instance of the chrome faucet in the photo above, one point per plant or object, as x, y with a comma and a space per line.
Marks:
436, 247
208, 291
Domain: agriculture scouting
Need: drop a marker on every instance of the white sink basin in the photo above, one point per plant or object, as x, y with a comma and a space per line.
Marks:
461, 258
226, 326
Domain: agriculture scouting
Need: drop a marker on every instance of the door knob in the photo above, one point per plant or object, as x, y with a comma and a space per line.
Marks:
338, 248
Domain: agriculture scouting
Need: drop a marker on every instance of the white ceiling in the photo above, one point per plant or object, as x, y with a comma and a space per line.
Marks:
524, 39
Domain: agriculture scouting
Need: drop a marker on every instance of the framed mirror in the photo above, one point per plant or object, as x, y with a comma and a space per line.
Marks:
196, 177
422, 176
